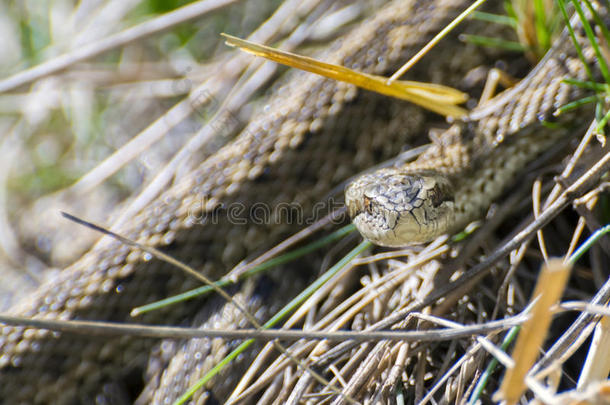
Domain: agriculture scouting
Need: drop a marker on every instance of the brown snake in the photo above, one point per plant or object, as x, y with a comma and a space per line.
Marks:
303, 139
453, 182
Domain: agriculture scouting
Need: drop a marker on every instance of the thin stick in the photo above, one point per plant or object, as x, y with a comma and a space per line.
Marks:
169, 332
170, 260
579, 187
434, 41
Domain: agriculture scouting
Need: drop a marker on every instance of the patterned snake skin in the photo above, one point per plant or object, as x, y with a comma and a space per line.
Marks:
312, 135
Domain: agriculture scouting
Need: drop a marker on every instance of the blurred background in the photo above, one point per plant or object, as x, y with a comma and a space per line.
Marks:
103, 99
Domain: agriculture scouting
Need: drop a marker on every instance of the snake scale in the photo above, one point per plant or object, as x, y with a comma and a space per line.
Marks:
454, 181
314, 134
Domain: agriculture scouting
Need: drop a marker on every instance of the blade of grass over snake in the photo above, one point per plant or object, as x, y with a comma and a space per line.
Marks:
434, 41
434, 97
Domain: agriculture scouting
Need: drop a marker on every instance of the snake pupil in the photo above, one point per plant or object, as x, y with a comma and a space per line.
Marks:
438, 195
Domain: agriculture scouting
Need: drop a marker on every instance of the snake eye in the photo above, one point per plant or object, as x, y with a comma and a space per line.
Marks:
367, 203
439, 194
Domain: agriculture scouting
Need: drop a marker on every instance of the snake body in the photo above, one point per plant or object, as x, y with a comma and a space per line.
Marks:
470, 164
310, 135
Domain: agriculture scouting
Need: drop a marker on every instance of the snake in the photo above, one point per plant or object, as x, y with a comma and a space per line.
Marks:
472, 162
299, 150
308, 136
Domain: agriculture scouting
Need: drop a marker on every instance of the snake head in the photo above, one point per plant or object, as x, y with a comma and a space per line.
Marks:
393, 208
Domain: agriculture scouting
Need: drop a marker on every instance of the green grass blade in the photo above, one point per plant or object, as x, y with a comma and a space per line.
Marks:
285, 258
603, 122
494, 42
494, 18
587, 85
290, 307
576, 104
542, 27
591, 36
593, 238
598, 21
482, 383
566, 17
